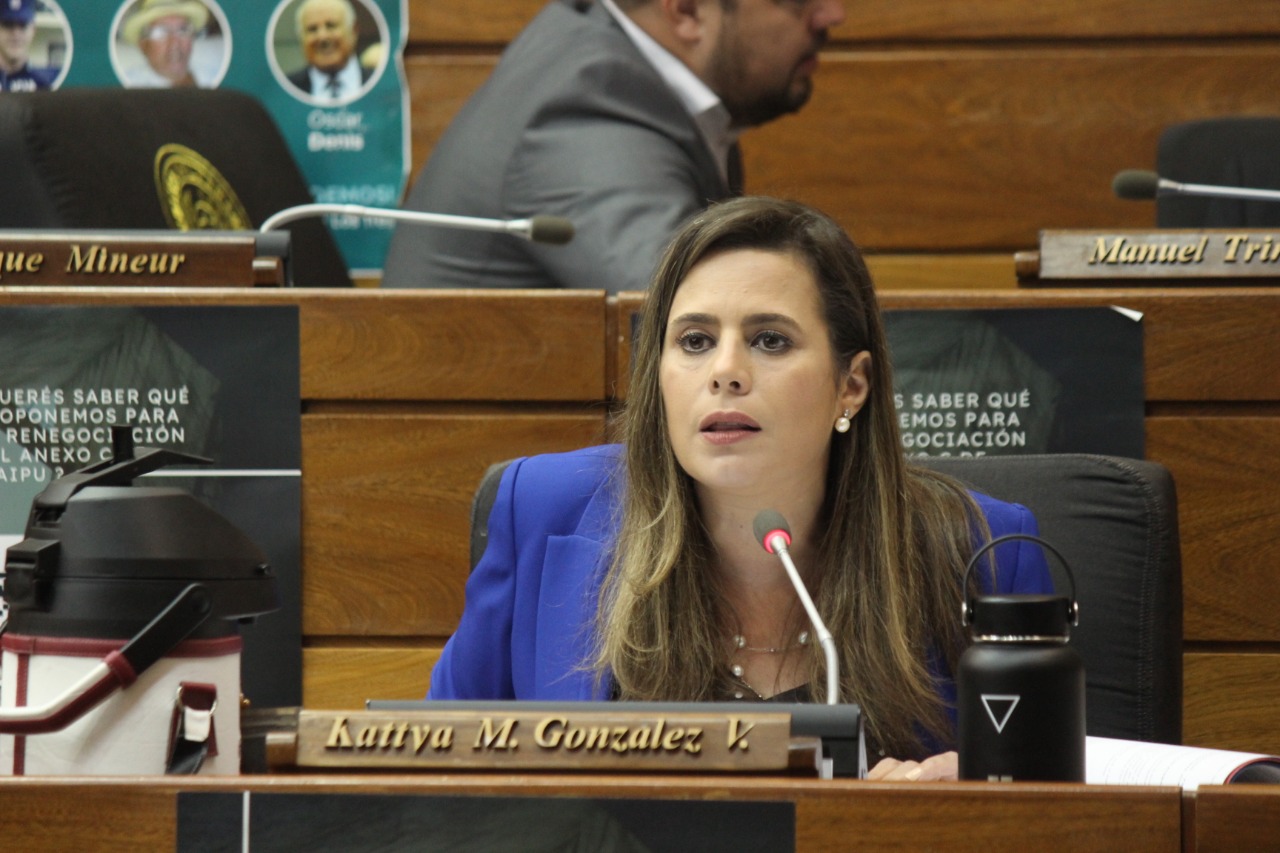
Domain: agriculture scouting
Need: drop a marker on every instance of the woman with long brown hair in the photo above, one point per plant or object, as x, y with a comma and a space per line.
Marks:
761, 381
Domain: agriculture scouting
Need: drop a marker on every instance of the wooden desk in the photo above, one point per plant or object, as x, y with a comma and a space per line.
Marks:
409, 396
1232, 818
141, 814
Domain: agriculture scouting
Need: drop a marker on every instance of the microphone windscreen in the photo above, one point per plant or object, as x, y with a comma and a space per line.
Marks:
550, 229
1135, 184
766, 522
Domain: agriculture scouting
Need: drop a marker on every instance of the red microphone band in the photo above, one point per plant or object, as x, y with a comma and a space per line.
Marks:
768, 539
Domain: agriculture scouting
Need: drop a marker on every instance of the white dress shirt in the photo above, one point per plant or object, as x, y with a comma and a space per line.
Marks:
704, 106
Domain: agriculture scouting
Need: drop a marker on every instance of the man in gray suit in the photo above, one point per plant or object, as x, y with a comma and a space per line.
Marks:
619, 115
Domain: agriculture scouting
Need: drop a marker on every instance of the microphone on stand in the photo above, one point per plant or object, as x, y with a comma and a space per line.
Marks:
1139, 185
774, 534
555, 230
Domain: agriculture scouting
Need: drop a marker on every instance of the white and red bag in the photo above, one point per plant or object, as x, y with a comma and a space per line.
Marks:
121, 655
181, 715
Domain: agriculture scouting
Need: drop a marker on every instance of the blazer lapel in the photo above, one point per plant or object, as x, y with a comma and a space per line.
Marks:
572, 571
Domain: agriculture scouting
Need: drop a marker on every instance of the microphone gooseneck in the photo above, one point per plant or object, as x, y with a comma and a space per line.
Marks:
774, 535
555, 230
1140, 185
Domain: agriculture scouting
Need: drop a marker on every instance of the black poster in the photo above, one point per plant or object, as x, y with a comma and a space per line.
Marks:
1018, 381
213, 381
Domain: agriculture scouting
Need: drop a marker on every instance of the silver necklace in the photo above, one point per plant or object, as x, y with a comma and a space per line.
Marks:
740, 645
742, 682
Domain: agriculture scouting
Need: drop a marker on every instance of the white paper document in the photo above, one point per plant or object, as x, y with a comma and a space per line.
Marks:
1109, 761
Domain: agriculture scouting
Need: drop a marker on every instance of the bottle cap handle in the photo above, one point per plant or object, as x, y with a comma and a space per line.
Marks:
966, 609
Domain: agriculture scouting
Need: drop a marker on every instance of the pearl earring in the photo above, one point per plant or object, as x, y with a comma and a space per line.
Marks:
843, 423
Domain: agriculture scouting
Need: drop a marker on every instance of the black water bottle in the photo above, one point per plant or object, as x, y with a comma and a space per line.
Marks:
1021, 685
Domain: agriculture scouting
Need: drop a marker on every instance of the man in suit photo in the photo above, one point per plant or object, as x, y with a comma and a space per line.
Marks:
328, 32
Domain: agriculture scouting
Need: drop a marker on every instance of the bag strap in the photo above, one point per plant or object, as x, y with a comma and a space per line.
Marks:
191, 731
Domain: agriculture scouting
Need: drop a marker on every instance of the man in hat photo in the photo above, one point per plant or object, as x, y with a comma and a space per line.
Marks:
166, 33
17, 31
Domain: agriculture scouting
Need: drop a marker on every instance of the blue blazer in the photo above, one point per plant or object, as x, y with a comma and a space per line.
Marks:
531, 601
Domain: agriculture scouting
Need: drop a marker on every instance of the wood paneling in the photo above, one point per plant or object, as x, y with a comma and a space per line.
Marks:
344, 677
945, 20
385, 505
463, 22
387, 345
1230, 699
978, 148
438, 87
942, 272
76, 818
965, 148
460, 22
368, 345
1227, 470
1236, 818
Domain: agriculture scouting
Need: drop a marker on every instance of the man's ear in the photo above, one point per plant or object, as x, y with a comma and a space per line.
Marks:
685, 19
857, 383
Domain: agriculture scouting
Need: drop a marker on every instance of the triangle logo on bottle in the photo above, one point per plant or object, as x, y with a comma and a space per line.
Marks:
1000, 708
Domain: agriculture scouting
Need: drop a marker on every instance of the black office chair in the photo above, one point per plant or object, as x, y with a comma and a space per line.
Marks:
87, 158
1115, 521
1235, 151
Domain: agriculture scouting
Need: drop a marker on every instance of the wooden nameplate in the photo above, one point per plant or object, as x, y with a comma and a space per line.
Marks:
1187, 256
135, 259
614, 741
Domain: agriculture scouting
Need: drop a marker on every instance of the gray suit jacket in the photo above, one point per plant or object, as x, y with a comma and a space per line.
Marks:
573, 122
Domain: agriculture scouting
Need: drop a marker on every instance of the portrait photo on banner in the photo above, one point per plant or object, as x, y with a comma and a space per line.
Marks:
162, 44
35, 45
328, 52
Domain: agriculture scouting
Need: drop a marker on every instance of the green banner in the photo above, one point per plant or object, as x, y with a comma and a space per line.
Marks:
330, 72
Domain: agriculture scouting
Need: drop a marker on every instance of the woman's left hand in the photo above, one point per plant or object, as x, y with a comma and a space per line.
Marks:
936, 768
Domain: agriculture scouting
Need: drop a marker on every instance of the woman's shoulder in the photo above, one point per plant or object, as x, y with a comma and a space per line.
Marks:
585, 466
1021, 566
560, 488
1004, 517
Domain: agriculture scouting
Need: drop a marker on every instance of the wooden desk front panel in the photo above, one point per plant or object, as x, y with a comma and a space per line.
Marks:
417, 346
455, 345
1229, 698
141, 814
1227, 470
386, 508
1234, 818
